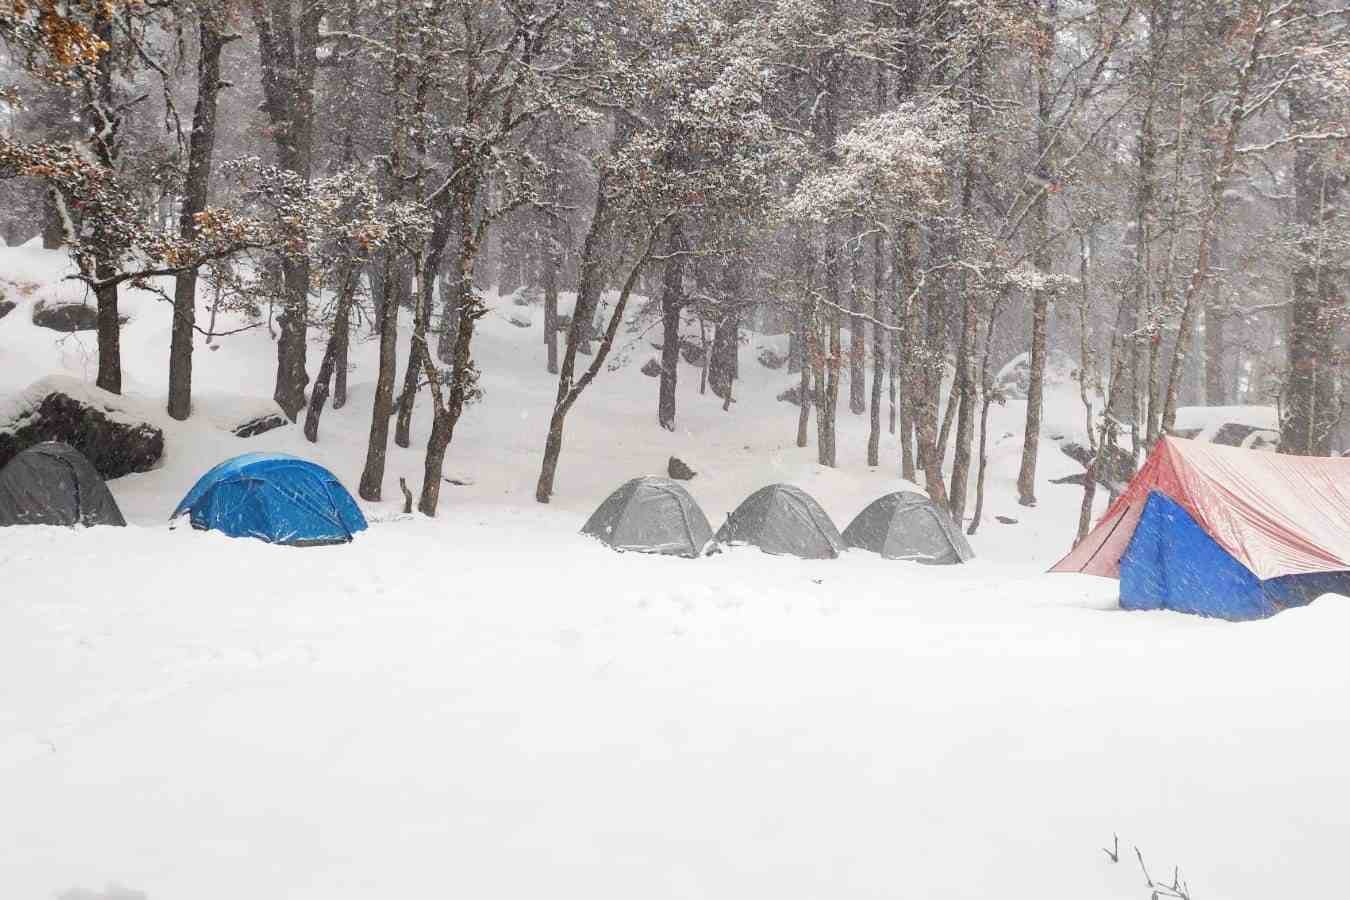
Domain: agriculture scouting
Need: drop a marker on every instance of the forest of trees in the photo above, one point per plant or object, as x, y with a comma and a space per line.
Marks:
916, 191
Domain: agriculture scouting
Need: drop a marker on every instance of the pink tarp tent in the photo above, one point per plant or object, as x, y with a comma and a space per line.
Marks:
1277, 515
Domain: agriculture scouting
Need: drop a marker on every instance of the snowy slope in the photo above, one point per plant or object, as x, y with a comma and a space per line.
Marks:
488, 705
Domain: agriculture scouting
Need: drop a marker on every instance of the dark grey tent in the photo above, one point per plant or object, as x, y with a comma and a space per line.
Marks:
906, 525
651, 515
783, 519
53, 484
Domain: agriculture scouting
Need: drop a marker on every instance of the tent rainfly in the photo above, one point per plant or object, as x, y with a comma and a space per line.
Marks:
907, 525
651, 515
54, 484
786, 520
274, 497
1226, 532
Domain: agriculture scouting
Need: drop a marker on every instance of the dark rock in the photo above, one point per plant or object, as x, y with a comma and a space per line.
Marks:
260, 425
793, 395
1114, 469
564, 323
520, 321
771, 360
68, 317
6, 307
692, 351
1006, 520
677, 469
521, 299
115, 448
651, 368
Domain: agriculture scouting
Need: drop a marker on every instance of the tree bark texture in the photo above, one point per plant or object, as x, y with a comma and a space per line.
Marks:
672, 304
196, 184
1209, 223
1039, 238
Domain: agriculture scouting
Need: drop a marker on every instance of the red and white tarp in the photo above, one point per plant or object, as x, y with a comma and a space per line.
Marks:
1277, 515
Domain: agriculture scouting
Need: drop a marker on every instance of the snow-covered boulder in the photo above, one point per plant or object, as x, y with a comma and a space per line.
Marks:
113, 432
770, 359
692, 351
67, 317
243, 417
1014, 378
793, 395
1114, 469
651, 368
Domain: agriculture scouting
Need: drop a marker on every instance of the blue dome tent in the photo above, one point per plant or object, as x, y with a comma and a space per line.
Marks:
274, 497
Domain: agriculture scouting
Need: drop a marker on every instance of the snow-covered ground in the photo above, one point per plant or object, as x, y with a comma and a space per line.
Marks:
489, 705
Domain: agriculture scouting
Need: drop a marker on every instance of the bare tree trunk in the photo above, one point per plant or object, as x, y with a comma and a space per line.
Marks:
672, 304
1146, 214
909, 390
1040, 255
53, 229
201, 145
1210, 220
807, 317
723, 360
932, 365
288, 51
104, 122
412, 376
987, 390
549, 262
948, 417
451, 277
964, 381
857, 328
382, 407
334, 357
805, 327
340, 364
587, 299
1311, 407
109, 332
828, 366
880, 340
372, 476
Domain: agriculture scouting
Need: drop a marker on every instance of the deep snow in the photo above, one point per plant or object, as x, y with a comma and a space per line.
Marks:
490, 705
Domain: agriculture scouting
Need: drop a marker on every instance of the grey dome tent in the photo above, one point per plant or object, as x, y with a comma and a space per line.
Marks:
651, 515
785, 520
53, 484
906, 525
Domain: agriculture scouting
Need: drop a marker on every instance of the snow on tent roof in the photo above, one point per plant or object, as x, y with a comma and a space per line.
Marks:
1277, 515
908, 525
275, 497
53, 484
651, 515
783, 519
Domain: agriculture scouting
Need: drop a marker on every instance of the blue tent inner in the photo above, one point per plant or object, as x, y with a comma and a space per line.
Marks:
1171, 563
275, 497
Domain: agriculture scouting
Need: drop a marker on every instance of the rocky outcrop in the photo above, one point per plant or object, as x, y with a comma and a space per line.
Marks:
679, 470
67, 317
89, 420
793, 395
260, 425
771, 360
692, 351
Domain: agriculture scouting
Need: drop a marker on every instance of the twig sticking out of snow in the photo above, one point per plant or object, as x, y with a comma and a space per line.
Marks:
1177, 890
